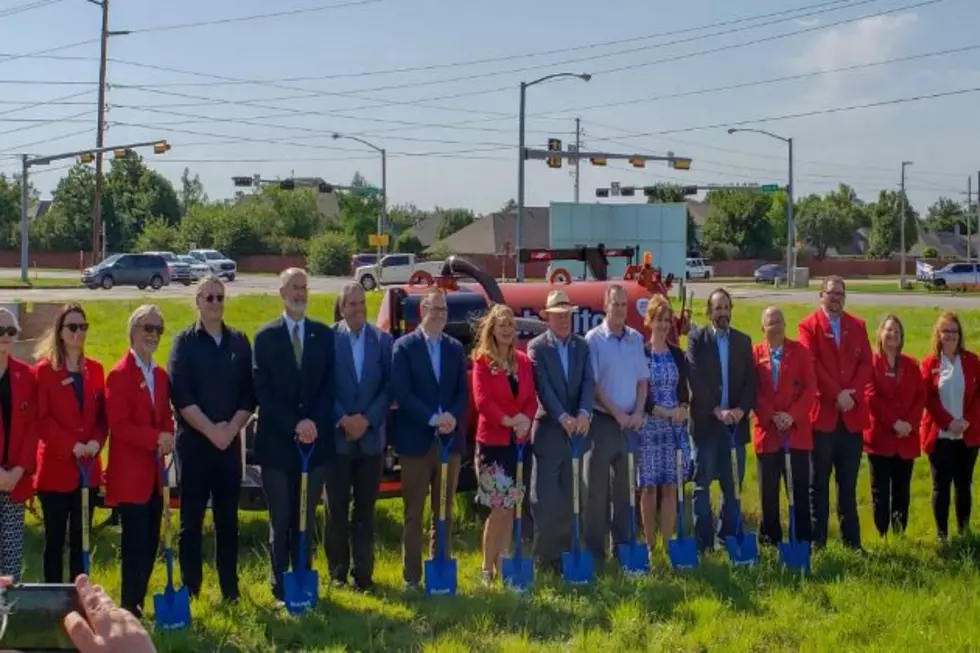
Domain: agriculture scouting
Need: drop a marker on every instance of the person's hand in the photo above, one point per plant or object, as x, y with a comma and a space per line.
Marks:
582, 424
845, 400
736, 415
6, 482
165, 443
957, 426
680, 415
306, 431
624, 420
569, 424
218, 435
104, 628
782, 420
355, 427
637, 419
80, 450
720, 414
92, 448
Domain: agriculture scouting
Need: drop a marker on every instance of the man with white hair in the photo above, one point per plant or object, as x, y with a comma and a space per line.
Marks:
294, 374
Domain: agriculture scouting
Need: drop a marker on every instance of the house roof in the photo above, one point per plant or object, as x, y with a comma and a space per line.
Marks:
948, 244
425, 229
491, 233
698, 211
39, 210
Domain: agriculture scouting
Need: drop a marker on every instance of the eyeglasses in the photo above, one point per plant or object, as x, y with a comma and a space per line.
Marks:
153, 328
950, 332
8, 331
214, 298
75, 327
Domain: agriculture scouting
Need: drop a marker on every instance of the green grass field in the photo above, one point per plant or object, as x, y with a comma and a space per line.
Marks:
907, 594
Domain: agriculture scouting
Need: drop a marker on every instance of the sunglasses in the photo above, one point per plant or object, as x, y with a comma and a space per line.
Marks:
8, 331
75, 327
214, 298
152, 328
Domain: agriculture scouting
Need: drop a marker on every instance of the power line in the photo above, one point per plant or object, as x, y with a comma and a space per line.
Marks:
41, 123
56, 48
38, 4
22, 148
59, 101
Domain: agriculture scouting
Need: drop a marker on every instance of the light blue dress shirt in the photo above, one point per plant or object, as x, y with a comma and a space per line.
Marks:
618, 363
357, 351
433, 344
775, 360
721, 339
562, 347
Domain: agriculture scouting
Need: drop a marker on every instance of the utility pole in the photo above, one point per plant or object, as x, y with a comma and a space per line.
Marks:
578, 162
100, 136
905, 204
969, 213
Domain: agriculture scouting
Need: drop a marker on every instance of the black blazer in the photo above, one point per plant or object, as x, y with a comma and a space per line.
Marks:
704, 369
287, 395
683, 391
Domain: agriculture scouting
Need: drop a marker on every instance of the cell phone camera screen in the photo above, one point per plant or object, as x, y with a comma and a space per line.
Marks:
34, 615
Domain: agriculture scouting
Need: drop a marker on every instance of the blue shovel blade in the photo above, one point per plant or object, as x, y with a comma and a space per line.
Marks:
742, 551
300, 590
683, 553
577, 567
172, 609
518, 573
634, 558
440, 577
795, 555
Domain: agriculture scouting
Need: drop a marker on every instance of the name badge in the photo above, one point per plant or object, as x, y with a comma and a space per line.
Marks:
142, 385
891, 374
66, 381
829, 335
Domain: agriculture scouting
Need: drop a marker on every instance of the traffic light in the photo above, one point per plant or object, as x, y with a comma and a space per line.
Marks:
554, 145
87, 157
602, 192
598, 160
627, 191
242, 182
161, 148
680, 163
120, 153
638, 162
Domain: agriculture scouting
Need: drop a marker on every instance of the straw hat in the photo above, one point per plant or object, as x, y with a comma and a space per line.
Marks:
558, 302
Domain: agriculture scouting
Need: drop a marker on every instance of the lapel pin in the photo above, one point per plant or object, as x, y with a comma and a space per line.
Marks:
66, 381
142, 385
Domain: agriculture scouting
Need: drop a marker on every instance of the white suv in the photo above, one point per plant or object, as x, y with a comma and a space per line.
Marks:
220, 265
698, 268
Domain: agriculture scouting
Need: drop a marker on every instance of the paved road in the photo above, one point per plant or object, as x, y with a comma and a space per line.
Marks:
268, 284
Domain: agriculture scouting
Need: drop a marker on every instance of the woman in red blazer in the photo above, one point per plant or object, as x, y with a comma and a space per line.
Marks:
891, 440
950, 431
141, 425
18, 447
786, 393
503, 392
71, 426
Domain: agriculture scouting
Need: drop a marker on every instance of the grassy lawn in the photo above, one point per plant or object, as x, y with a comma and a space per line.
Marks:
11, 283
907, 594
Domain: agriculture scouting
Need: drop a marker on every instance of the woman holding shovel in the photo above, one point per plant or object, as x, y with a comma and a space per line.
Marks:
71, 426
503, 392
666, 427
142, 426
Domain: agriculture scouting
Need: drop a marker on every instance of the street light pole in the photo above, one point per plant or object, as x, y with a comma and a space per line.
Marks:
905, 203
383, 215
24, 227
521, 153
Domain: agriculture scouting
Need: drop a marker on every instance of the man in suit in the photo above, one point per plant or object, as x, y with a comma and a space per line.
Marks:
293, 368
841, 352
361, 402
429, 384
723, 389
566, 394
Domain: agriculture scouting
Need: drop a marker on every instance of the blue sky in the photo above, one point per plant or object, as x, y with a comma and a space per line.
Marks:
464, 148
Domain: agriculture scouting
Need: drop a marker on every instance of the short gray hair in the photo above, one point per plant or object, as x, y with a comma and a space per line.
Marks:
289, 273
139, 314
13, 317
772, 309
349, 289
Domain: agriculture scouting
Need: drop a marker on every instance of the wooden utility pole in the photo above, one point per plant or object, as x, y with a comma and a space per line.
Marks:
99, 138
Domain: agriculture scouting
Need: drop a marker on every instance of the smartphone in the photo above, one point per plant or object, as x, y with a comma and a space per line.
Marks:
33, 616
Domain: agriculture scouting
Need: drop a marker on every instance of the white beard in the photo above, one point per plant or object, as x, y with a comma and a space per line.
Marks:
297, 308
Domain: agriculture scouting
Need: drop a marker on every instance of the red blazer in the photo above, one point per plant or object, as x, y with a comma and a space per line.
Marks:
135, 425
61, 425
23, 428
936, 418
494, 400
895, 395
838, 368
795, 394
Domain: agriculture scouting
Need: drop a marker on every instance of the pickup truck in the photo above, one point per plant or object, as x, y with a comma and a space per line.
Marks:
394, 269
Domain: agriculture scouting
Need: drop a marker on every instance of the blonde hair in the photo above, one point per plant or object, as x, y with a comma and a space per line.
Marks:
137, 316
937, 343
51, 348
486, 344
880, 336
657, 305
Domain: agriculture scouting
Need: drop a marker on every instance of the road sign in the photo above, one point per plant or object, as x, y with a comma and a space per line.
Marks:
769, 188
368, 191
374, 240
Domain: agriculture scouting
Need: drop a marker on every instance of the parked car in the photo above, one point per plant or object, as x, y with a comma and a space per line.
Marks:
956, 276
140, 270
394, 268
358, 260
770, 273
220, 265
698, 268
180, 271
198, 270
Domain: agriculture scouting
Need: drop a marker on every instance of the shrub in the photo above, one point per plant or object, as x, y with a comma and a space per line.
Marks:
330, 254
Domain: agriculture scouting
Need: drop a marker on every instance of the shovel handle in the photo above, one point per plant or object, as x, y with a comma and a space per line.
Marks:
575, 482
165, 494
83, 471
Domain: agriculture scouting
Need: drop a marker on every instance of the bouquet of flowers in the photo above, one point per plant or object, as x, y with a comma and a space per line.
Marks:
497, 489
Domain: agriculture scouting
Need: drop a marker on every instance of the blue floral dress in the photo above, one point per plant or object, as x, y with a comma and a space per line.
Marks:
659, 439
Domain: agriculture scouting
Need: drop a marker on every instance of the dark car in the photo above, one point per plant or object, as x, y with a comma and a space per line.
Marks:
770, 273
140, 270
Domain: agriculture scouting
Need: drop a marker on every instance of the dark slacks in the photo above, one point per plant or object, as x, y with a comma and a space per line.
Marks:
713, 459
772, 477
952, 462
891, 484
140, 538
838, 452
421, 477
356, 476
606, 475
282, 497
209, 474
551, 491
62, 512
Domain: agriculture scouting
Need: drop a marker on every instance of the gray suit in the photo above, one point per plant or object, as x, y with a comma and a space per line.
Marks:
558, 395
357, 466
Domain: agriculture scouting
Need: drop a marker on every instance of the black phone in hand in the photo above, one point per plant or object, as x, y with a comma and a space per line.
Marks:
33, 616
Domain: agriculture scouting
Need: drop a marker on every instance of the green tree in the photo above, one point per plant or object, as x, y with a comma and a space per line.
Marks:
738, 218
157, 235
408, 243
403, 217
451, 221
68, 225
358, 211
886, 225
818, 226
330, 254
133, 195
945, 215
510, 206
777, 216
10, 208
191, 191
